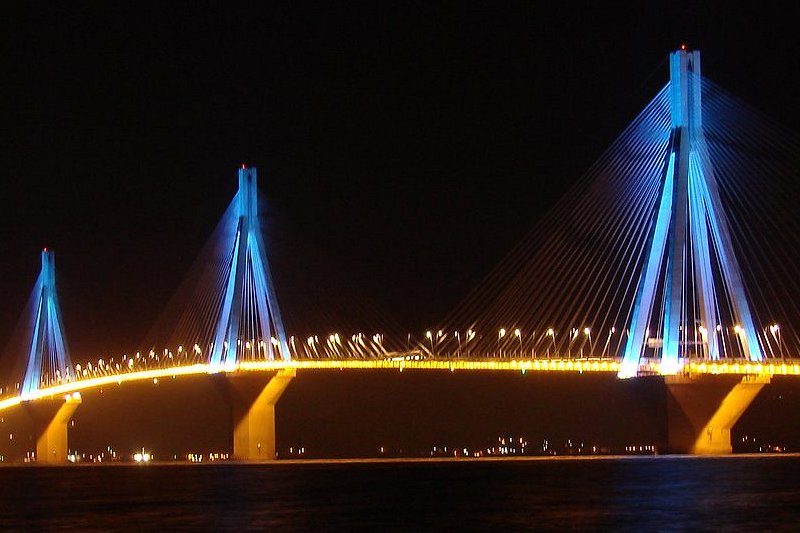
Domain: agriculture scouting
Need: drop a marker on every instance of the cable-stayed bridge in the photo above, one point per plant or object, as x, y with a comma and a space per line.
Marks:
668, 259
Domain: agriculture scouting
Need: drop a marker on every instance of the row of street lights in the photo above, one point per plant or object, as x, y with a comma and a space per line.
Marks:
587, 346
367, 347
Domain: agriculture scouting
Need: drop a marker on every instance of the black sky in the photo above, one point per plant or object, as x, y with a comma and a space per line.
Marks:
404, 149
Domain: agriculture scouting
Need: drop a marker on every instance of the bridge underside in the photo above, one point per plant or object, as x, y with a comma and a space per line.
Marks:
702, 410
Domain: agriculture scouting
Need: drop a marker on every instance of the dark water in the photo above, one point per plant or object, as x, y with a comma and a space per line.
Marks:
623, 494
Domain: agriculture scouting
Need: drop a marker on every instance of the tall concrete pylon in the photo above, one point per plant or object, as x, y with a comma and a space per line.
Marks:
689, 225
48, 363
48, 356
248, 280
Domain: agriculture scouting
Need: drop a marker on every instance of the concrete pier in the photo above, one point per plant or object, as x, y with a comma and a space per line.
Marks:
51, 417
702, 410
252, 400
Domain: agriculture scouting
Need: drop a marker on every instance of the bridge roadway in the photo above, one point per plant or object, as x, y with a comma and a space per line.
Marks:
704, 401
789, 367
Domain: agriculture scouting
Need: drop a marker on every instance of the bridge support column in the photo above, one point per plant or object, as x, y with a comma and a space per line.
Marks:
51, 417
252, 405
701, 410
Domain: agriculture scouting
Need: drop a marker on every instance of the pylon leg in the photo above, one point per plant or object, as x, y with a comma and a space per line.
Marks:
51, 418
702, 410
252, 405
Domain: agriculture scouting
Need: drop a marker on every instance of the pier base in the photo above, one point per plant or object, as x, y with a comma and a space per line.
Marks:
252, 403
701, 410
51, 418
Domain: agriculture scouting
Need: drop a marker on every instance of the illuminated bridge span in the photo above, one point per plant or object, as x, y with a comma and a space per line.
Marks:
400, 364
665, 260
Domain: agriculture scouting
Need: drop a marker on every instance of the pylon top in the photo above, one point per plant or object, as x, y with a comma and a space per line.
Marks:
685, 77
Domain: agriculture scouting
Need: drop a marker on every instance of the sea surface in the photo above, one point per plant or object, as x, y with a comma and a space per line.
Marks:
654, 493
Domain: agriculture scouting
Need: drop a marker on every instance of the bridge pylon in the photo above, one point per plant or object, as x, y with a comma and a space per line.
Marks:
48, 356
248, 298
690, 263
48, 363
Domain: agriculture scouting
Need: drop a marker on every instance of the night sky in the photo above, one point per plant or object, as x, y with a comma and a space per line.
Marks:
403, 149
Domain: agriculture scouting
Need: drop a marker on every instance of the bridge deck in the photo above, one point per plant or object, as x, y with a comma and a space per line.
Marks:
776, 368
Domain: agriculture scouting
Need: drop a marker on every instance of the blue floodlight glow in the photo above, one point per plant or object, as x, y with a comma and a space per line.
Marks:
647, 287
689, 187
248, 283
48, 348
730, 269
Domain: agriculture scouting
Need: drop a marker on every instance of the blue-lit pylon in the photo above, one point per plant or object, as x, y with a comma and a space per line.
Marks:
249, 302
48, 357
689, 223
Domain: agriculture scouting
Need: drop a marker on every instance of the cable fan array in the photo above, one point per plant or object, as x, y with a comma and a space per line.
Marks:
569, 288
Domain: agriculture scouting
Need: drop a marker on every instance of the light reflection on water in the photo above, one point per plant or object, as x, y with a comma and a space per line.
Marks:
662, 493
